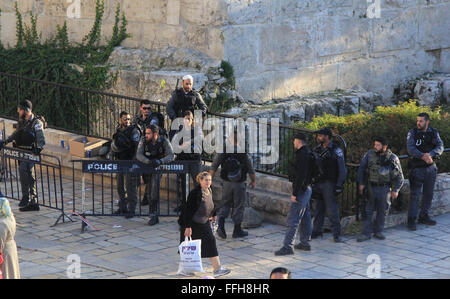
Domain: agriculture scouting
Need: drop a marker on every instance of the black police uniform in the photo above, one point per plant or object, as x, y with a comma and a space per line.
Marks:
123, 147
29, 135
422, 175
328, 186
154, 154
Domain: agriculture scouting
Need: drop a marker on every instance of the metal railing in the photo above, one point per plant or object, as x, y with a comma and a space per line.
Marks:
97, 114
48, 178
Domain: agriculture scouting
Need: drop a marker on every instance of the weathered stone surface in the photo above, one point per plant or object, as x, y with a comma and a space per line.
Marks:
278, 48
252, 218
427, 92
297, 108
446, 91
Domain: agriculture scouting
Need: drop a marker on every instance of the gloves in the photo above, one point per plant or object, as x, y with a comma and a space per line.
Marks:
36, 150
154, 163
337, 190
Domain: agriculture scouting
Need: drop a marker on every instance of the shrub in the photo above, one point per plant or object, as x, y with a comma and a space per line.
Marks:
393, 122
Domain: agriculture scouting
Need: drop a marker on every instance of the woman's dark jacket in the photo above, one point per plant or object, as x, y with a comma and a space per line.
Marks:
189, 208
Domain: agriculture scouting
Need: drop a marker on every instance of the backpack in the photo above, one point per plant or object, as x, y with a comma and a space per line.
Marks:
232, 169
42, 119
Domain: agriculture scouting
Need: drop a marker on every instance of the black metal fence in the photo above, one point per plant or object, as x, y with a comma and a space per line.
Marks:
48, 176
94, 186
96, 113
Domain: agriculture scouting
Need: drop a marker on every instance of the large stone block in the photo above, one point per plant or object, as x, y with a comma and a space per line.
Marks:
395, 30
203, 12
156, 36
249, 11
154, 11
25, 6
286, 44
241, 48
8, 29
434, 25
339, 35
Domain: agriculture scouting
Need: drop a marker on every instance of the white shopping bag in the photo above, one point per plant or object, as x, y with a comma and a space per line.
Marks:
190, 256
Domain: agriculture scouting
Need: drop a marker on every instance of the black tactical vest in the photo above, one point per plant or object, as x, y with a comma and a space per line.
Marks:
328, 162
185, 102
124, 141
425, 141
26, 135
154, 151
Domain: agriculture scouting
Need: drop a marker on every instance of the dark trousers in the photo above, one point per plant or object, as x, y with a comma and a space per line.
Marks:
152, 187
422, 181
28, 180
377, 201
328, 205
234, 197
128, 195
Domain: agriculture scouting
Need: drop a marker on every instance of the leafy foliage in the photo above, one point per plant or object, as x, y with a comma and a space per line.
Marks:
392, 122
58, 60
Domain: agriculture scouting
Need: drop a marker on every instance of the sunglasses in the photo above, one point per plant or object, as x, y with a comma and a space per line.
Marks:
126, 118
146, 108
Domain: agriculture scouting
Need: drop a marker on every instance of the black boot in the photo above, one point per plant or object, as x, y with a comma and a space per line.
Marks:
33, 205
24, 202
412, 223
221, 228
130, 213
153, 220
122, 208
144, 201
426, 220
238, 232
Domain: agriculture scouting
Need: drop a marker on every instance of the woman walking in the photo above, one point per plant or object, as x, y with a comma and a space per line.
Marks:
195, 218
8, 249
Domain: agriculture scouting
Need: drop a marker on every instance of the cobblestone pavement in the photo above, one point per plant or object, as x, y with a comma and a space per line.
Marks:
131, 249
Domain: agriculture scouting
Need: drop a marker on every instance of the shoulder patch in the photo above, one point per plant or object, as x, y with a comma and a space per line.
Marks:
136, 136
338, 152
38, 126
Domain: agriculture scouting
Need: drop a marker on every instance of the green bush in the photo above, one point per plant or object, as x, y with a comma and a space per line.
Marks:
58, 60
394, 122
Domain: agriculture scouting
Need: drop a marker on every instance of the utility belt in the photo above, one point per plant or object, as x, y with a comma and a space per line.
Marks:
24, 147
418, 163
373, 184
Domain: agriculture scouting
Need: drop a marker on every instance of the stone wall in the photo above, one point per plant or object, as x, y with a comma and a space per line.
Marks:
278, 48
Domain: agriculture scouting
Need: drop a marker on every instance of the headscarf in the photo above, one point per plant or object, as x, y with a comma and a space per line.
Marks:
5, 208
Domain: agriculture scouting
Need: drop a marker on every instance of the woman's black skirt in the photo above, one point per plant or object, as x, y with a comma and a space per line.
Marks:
203, 232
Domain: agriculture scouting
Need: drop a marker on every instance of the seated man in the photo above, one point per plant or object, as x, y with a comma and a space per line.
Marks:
154, 150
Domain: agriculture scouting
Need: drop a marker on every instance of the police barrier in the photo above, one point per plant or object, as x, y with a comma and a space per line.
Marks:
48, 177
95, 187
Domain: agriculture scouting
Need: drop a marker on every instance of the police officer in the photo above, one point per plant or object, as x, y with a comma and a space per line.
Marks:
145, 118
235, 166
329, 184
381, 173
29, 135
154, 150
123, 147
187, 145
183, 99
424, 147
300, 211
